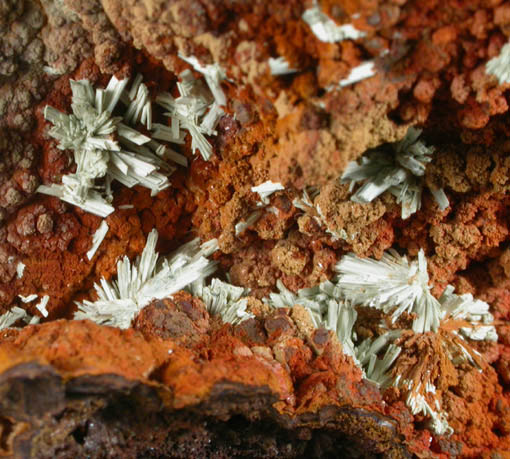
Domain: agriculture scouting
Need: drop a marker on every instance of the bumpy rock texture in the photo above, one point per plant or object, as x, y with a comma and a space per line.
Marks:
267, 387
247, 391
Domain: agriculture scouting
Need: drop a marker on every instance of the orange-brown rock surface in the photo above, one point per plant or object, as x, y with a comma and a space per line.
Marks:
276, 377
180, 383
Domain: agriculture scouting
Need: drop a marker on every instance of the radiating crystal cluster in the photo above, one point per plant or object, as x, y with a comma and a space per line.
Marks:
441, 329
397, 286
393, 285
223, 299
196, 110
150, 277
401, 173
146, 279
105, 148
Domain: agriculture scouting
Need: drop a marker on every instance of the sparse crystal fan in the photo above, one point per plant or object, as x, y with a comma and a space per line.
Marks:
499, 66
9, 318
196, 110
223, 299
280, 66
325, 29
401, 173
264, 190
377, 370
326, 307
104, 147
147, 278
306, 205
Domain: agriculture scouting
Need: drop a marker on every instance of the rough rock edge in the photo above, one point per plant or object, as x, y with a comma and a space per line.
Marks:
42, 415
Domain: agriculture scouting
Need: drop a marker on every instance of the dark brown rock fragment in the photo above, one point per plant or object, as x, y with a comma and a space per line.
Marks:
180, 317
107, 416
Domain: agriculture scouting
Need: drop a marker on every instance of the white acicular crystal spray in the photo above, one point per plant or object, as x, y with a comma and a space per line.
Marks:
280, 66
146, 279
359, 73
213, 74
9, 318
499, 66
478, 321
395, 285
104, 147
223, 299
266, 189
401, 174
194, 110
139, 103
325, 29
378, 356
391, 284
340, 318
97, 238
378, 370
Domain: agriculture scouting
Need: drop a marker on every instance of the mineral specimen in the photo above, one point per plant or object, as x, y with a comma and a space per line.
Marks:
266, 229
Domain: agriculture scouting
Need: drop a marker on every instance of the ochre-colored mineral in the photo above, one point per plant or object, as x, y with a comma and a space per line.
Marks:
180, 382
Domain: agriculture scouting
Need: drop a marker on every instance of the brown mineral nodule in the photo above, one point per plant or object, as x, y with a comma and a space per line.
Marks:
289, 258
182, 316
